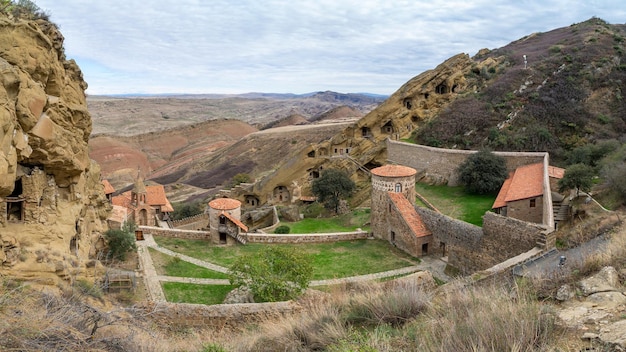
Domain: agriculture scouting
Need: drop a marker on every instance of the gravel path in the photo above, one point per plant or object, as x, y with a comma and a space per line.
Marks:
153, 281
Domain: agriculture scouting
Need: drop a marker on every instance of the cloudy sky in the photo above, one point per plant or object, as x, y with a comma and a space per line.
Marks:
292, 46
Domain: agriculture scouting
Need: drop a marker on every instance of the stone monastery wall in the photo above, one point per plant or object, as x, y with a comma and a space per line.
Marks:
439, 165
472, 248
260, 237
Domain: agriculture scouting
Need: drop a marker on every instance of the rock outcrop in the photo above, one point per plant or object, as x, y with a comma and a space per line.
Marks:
599, 311
52, 204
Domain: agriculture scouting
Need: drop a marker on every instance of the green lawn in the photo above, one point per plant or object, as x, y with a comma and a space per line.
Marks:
330, 260
454, 202
177, 292
172, 266
344, 223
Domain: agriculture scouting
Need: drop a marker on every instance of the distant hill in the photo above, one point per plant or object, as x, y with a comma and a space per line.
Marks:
130, 115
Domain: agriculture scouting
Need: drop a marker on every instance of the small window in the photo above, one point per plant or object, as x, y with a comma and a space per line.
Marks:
222, 220
398, 187
533, 203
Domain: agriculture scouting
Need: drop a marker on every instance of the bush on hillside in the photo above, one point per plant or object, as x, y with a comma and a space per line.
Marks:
185, 210
120, 242
578, 177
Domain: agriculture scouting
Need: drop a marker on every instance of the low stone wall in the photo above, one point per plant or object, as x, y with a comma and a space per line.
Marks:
177, 233
229, 317
306, 238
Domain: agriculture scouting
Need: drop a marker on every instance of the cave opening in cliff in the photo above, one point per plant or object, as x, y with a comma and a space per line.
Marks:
366, 132
408, 103
74, 245
15, 203
442, 89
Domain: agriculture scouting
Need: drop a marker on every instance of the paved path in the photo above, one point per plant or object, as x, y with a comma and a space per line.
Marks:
153, 280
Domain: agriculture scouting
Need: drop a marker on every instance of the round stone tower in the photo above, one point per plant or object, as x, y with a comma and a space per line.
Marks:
389, 178
219, 225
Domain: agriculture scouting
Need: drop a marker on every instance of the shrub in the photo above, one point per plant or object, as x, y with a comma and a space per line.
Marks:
185, 210
121, 241
274, 274
482, 172
282, 229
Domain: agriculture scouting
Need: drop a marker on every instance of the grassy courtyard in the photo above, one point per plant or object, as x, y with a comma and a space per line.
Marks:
330, 260
356, 219
191, 293
456, 203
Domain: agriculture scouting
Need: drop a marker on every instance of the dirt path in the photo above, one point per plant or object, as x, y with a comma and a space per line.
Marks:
153, 281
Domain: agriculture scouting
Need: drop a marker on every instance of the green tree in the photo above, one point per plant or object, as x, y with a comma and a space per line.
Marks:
274, 274
185, 210
331, 187
121, 241
240, 178
577, 176
482, 172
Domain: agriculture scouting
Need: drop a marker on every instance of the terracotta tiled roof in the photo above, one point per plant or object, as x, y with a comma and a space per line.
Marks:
108, 189
123, 200
556, 172
167, 208
224, 204
235, 221
155, 195
525, 182
407, 211
308, 198
394, 171
501, 198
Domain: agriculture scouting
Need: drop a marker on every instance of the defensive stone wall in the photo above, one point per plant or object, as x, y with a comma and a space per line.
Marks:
260, 237
439, 165
506, 237
471, 248
451, 231
229, 317
177, 233
192, 222
306, 238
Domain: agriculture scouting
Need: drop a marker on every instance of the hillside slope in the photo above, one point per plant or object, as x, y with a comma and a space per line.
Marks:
569, 93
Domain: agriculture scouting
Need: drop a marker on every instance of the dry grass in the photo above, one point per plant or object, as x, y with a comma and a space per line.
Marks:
33, 320
375, 317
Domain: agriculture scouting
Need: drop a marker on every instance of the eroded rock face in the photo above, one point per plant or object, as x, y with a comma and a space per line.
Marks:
52, 204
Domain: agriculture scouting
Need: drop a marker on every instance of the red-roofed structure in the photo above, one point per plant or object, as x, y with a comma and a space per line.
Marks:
522, 194
225, 221
146, 204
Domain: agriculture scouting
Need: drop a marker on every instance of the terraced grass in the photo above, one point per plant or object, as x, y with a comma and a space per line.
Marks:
330, 260
177, 292
172, 266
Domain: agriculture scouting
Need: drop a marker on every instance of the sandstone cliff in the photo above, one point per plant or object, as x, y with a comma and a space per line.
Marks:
52, 204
